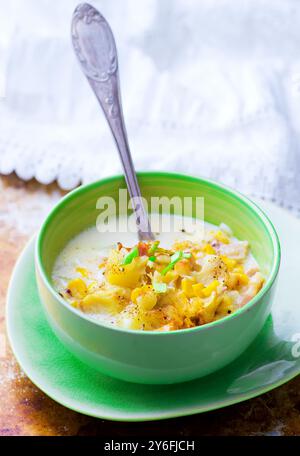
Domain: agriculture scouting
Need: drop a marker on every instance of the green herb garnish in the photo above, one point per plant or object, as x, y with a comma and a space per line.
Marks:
131, 255
159, 287
174, 259
153, 247
152, 258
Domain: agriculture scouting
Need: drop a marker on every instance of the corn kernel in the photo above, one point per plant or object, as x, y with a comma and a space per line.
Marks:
208, 311
231, 280
170, 276
96, 299
144, 296
148, 301
83, 271
207, 291
195, 306
197, 289
225, 307
209, 249
221, 237
242, 279
187, 287
226, 300
77, 288
236, 279
136, 292
229, 262
183, 267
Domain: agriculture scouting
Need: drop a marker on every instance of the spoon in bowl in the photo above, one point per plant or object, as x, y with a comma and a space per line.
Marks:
95, 48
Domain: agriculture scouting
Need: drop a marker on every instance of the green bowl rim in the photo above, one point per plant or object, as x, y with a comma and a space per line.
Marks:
183, 177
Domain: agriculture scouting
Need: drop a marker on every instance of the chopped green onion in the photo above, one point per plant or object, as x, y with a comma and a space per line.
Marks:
153, 247
152, 258
159, 287
131, 255
174, 259
186, 255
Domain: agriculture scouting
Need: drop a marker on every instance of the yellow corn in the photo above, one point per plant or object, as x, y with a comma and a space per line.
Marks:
77, 288
183, 267
140, 291
225, 308
221, 237
226, 300
231, 280
170, 276
242, 279
198, 288
209, 249
207, 313
207, 291
236, 279
98, 299
83, 271
229, 262
187, 287
145, 297
195, 306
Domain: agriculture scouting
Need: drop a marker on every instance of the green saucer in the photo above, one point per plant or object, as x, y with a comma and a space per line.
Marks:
272, 359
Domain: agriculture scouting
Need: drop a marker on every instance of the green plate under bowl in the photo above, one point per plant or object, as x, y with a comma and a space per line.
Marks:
271, 360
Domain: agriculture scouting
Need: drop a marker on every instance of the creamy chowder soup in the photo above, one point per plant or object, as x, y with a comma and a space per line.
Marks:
180, 280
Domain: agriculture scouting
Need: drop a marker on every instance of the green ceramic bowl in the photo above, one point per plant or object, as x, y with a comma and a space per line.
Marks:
157, 357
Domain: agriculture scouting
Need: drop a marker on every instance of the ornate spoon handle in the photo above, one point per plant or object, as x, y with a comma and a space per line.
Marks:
95, 47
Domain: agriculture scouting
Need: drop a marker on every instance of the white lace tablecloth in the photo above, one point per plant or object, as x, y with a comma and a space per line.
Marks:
210, 88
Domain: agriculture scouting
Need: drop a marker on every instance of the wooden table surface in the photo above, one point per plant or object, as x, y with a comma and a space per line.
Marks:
25, 410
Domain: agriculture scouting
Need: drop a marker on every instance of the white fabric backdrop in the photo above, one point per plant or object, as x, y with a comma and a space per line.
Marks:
210, 87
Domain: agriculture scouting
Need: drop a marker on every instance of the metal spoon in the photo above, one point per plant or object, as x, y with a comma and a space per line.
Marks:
95, 47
